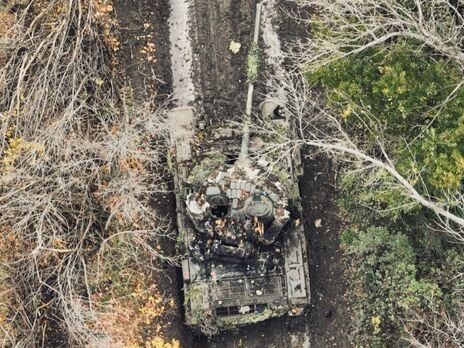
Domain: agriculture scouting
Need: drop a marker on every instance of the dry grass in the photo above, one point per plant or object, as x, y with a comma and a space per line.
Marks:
79, 167
7, 20
131, 308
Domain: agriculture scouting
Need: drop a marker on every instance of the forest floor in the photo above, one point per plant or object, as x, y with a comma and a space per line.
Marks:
219, 78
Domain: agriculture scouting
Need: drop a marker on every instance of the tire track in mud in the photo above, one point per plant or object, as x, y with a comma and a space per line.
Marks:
181, 52
219, 75
328, 320
143, 22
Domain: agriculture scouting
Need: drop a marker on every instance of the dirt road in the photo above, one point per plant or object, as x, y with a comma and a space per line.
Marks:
200, 32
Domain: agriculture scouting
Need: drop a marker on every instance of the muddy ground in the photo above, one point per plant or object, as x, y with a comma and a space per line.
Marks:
144, 56
219, 75
220, 82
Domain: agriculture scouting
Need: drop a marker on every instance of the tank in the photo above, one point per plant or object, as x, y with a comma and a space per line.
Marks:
240, 231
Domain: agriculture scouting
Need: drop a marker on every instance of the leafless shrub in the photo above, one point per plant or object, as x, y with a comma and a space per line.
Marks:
352, 26
348, 27
437, 329
79, 167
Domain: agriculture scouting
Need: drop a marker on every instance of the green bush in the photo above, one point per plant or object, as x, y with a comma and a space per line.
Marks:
405, 94
386, 285
374, 194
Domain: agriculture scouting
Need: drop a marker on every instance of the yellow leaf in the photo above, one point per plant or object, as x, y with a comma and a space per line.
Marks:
234, 47
375, 320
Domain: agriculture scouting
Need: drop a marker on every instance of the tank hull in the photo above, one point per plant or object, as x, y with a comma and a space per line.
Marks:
243, 247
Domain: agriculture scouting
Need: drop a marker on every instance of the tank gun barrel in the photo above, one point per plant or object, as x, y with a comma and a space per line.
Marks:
246, 124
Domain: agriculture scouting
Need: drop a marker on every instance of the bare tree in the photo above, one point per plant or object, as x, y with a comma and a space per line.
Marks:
348, 27
352, 26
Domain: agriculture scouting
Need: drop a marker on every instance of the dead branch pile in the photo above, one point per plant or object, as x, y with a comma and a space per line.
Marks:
352, 26
77, 168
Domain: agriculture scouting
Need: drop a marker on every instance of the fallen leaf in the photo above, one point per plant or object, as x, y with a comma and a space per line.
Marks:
234, 47
98, 81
